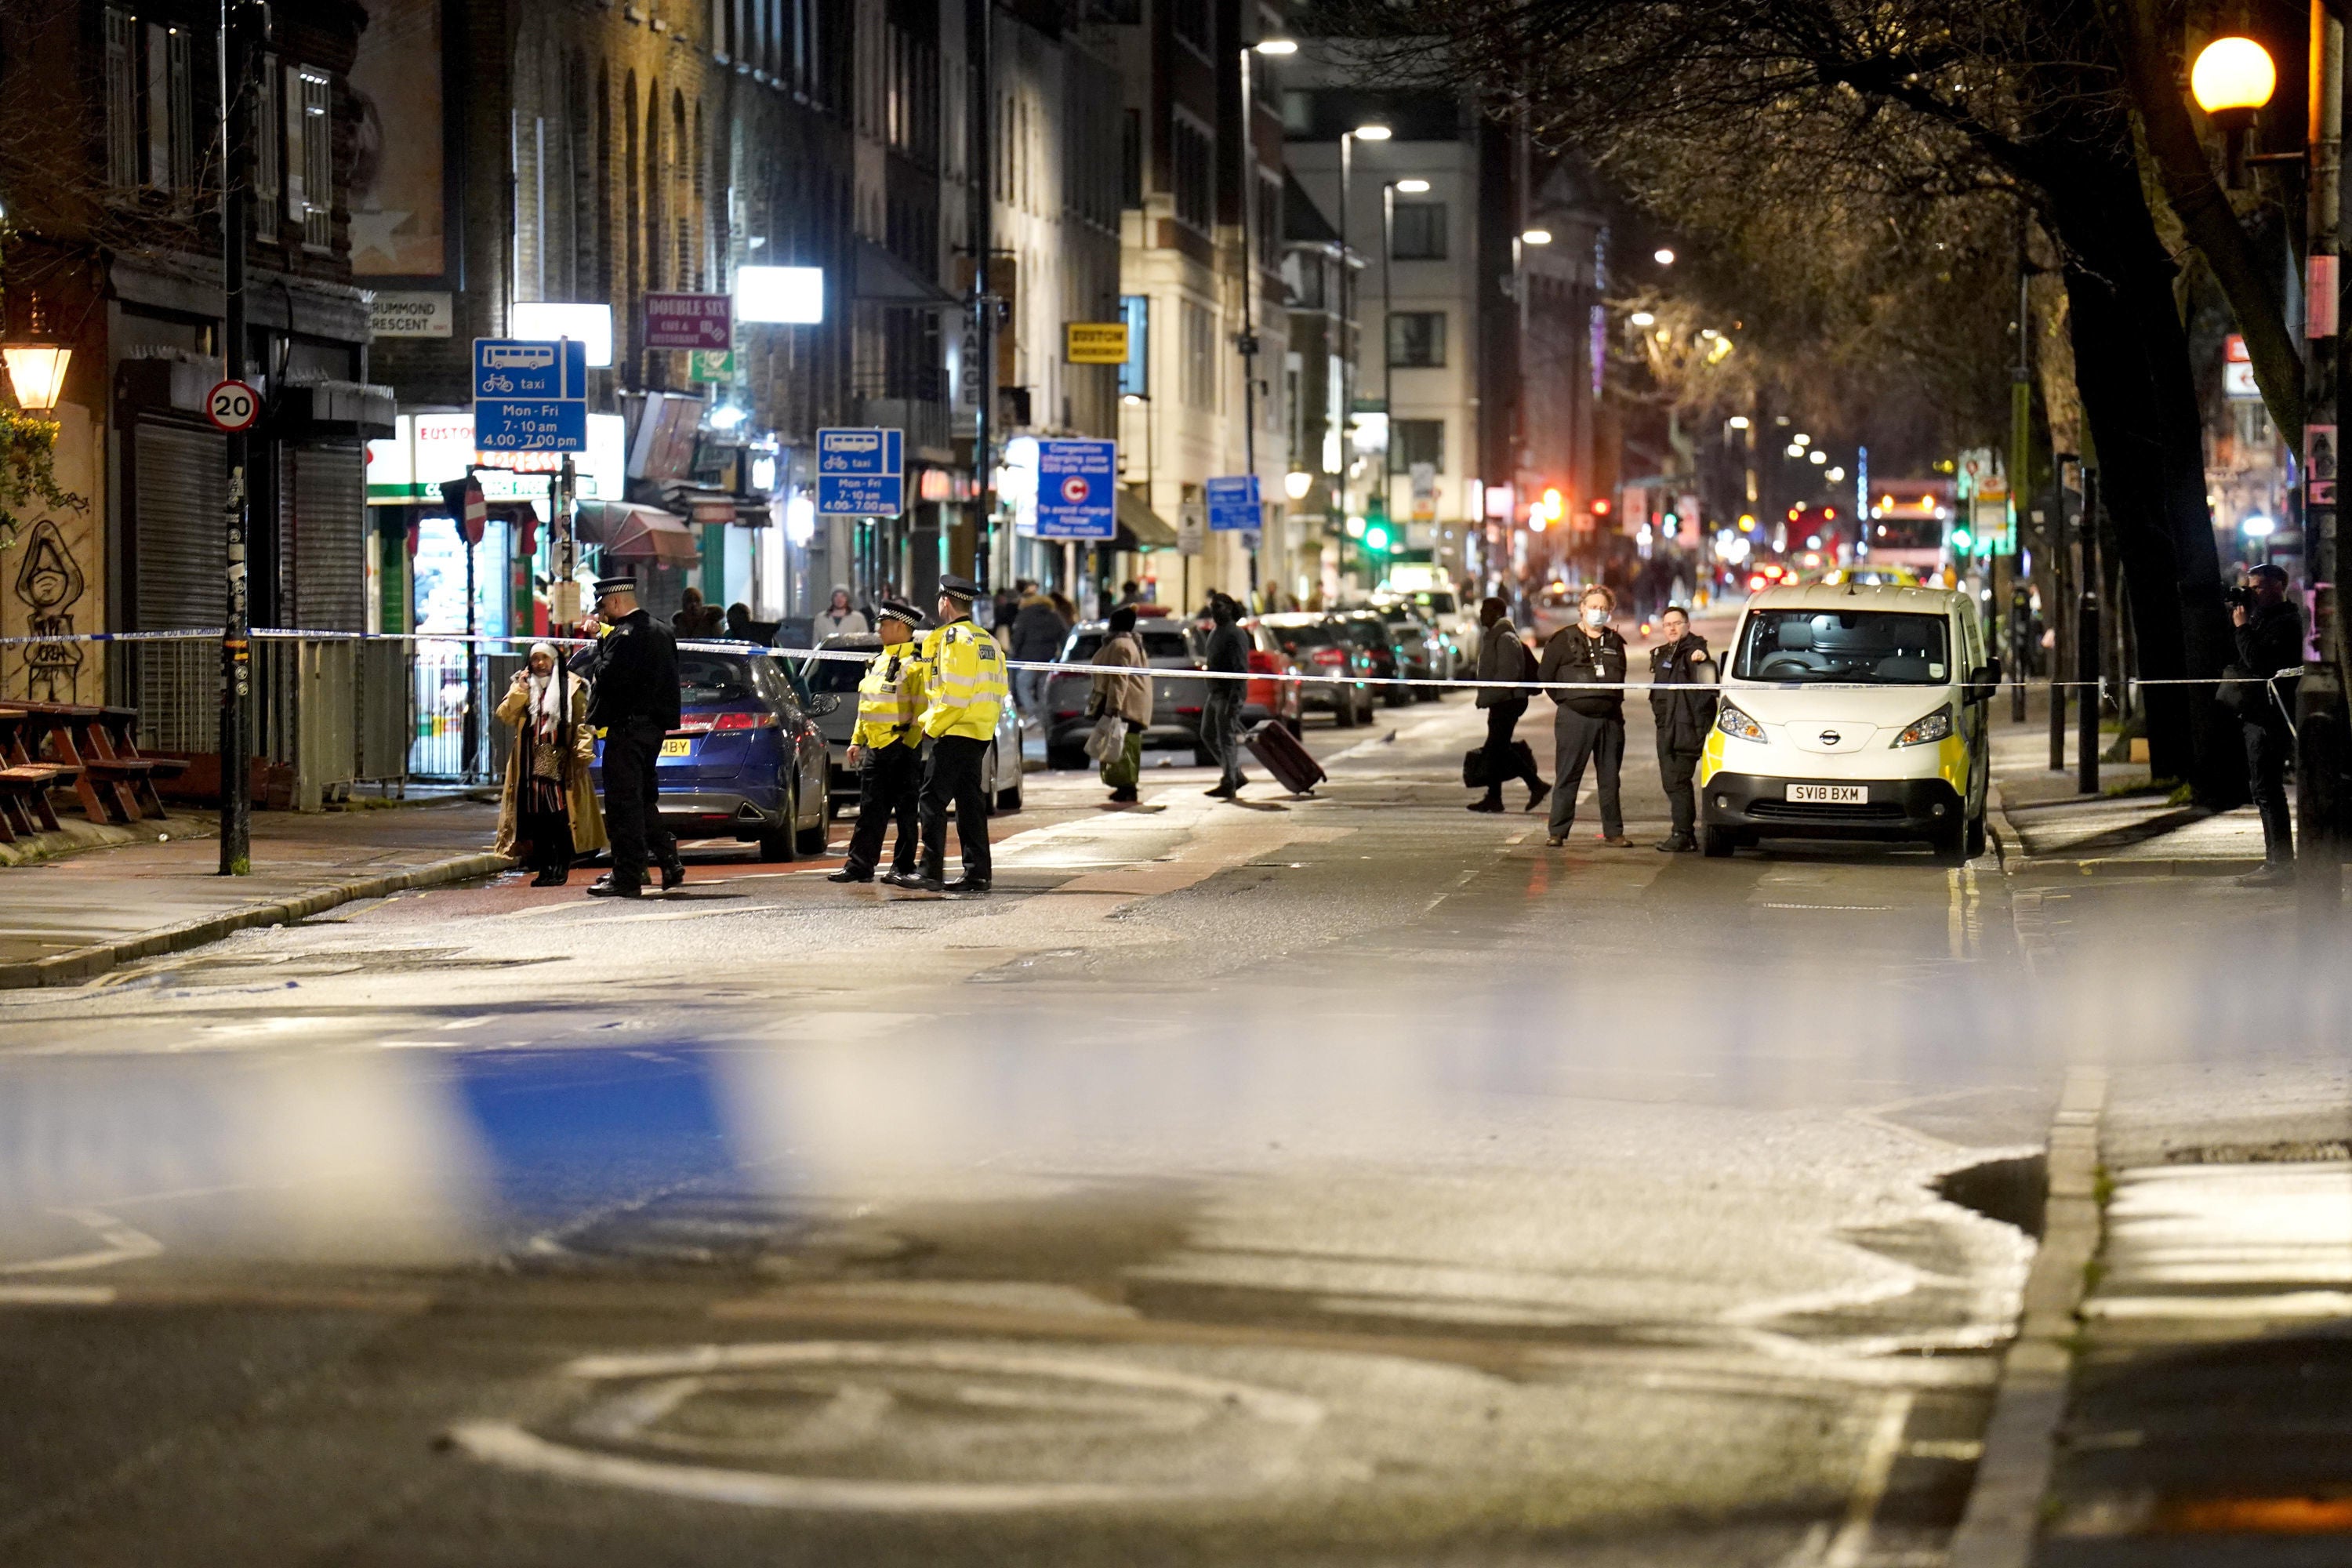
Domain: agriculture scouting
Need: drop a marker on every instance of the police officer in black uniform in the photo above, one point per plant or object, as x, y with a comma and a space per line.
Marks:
634, 704
1683, 718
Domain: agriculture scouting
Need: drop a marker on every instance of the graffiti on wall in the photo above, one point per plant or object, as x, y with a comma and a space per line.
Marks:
49, 584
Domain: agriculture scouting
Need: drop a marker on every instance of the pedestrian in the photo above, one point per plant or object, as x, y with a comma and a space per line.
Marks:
1124, 697
739, 626
695, 618
886, 752
1064, 608
2268, 626
634, 704
1038, 629
1588, 727
1684, 717
1221, 708
839, 617
1502, 656
1003, 606
964, 695
547, 809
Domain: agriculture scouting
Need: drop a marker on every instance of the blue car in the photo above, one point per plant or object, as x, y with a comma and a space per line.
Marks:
747, 760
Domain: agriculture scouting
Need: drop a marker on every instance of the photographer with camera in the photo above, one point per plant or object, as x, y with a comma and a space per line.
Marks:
2269, 630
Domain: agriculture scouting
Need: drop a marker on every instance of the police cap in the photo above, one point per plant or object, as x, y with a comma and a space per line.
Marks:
615, 585
899, 610
956, 587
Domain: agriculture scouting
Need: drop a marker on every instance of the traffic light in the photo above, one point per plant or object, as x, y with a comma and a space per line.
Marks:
1376, 537
1964, 539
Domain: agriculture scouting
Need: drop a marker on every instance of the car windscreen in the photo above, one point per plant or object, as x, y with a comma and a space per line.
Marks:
1433, 603
1168, 644
1316, 634
1366, 632
1881, 647
705, 677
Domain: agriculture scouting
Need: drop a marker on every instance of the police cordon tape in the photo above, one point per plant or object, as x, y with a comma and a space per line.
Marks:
855, 655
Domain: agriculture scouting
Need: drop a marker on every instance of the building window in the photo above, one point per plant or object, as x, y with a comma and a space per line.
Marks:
317, 157
1193, 158
1189, 18
1200, 378
1416, 338
1135, 370
122, 98
1415, 441
1418, 233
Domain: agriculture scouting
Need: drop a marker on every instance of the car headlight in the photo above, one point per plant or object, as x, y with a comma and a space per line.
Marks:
1933, 727
1732, 721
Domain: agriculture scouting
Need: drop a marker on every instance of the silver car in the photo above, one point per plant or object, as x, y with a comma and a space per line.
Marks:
999, 773
1175, 704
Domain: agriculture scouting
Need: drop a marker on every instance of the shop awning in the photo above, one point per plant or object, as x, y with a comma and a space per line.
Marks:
628, 532
1140, 526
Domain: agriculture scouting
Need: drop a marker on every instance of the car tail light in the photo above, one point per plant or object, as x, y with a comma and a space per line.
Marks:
1066, 713
1329, 656
1193, 711
744, 721
1263, 663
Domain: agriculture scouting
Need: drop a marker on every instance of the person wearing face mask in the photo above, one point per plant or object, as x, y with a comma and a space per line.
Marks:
1588, 727
1683, 718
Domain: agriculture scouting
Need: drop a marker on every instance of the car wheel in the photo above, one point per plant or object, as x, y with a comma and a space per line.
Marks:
1978, 836
781, 842
1397, 695
1295, 725
1008, 799
1343, 711
1715, 843
814, 838
1952, 845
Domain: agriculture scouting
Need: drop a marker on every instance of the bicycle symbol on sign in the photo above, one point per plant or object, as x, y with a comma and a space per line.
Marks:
497, 383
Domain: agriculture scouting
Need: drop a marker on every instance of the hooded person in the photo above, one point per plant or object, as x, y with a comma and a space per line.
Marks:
547, 810
1127, 697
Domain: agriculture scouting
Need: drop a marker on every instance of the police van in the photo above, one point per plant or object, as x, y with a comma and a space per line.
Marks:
1855, 710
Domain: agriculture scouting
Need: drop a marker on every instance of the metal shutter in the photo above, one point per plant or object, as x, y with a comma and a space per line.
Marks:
321, 533
179, 485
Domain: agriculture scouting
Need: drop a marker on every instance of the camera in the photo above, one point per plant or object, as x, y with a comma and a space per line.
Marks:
2241, 597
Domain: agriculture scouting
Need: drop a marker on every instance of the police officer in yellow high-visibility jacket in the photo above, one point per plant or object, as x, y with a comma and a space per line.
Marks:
886, 748
963, 693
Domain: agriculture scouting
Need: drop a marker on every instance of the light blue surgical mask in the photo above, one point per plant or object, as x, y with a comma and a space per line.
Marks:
1594, 616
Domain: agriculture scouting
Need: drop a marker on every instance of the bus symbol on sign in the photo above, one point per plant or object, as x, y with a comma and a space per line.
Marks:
1074, 488
231, 406
519, 356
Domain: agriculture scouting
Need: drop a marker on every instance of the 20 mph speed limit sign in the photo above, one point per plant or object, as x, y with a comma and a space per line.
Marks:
231, 406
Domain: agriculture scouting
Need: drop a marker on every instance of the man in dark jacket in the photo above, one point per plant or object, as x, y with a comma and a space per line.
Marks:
2270, 638
1037, 632
1221, 709
1502, 656
1588, 726
1683, 718
633, 703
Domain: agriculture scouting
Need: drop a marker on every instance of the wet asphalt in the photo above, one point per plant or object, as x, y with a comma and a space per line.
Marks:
1344, 1180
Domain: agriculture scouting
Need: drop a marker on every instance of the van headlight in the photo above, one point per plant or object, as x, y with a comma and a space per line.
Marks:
1732, 721
1936, 726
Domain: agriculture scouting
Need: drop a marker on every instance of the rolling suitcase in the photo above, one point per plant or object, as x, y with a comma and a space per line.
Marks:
1280, 750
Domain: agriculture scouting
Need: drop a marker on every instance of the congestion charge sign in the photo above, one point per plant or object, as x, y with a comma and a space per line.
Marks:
1078, 493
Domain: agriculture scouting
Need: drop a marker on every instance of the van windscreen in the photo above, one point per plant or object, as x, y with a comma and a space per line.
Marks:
1876, 647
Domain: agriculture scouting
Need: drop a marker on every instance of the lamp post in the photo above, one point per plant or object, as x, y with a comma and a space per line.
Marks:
1370, 131
1247, 343
2231, 78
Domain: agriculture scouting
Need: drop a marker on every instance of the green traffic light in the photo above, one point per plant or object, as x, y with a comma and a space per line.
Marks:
1963, 542
1376, 537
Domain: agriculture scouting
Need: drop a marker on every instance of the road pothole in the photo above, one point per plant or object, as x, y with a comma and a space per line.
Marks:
2014, 1190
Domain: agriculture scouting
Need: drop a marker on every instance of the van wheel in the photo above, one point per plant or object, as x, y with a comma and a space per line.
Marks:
1715, 843
1952, 846
1976, 836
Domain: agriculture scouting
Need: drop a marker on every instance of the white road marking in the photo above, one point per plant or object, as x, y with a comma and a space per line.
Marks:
56, 1295
2286, 1304
681, 1373
123, 1243
1852, 1539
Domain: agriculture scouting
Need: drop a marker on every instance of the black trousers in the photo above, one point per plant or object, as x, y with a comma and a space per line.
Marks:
1220, 727
2267, 748
1675, 766
1578, 739
1502, 725
548, 834
631, 793
888, 791
953, 775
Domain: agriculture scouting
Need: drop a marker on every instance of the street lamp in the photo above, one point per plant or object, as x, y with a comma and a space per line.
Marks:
1662, 257
1371, 130
1645, 318
1276, 45
1536, 236
36, 371
2231, 78
1414, 187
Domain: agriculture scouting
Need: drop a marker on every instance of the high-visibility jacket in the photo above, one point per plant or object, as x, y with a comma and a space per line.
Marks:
891, 700
964, 681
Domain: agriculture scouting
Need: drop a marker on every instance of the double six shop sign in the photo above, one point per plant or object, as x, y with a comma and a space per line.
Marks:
691, 322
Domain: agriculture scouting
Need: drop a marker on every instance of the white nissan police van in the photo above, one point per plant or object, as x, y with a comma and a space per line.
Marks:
1852, 710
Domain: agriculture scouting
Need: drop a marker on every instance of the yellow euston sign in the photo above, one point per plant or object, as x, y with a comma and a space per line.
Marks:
1094, 343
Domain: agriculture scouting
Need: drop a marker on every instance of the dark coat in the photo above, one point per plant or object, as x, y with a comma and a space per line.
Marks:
635, 674
1571, 654
1684, 717
1038, 631
2270, 641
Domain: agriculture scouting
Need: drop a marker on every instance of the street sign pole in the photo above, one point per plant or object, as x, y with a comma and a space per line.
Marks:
235, 54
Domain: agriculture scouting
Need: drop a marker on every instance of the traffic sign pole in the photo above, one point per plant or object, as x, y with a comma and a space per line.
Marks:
237, 24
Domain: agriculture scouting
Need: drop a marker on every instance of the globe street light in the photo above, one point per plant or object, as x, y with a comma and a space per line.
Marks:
2231, 78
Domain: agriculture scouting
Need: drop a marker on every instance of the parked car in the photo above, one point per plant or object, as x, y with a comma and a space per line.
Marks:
999, 773
747, 760
1458, 626
1369, 631
1175, 704
1317, 644
1276, 700
1426, 654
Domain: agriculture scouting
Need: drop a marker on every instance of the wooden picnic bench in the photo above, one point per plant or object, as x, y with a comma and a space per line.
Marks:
92, 749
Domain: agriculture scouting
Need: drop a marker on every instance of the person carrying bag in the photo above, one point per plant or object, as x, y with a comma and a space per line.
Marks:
1125, 698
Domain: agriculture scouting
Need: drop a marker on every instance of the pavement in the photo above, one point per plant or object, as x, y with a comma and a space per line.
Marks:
1349, 1179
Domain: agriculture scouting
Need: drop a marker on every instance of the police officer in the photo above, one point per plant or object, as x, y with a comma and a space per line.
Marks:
886, 748
633, 704
964, 691
1683, 718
